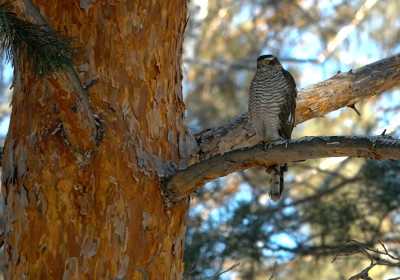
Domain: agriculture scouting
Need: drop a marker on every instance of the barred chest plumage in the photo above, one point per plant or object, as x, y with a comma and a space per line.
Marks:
267, 95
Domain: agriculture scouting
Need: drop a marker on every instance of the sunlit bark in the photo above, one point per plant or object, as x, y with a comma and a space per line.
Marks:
83, 205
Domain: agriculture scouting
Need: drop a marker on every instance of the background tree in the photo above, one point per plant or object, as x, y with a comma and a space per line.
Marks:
329, 201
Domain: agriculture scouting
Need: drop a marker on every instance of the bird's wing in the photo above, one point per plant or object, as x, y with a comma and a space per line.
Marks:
288, 108
252, 99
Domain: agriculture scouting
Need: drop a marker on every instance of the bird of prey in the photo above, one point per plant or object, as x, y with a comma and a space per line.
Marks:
272, 106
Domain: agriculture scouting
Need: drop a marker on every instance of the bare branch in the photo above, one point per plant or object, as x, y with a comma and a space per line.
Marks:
375, 256
185, 182
339, 91
219, 274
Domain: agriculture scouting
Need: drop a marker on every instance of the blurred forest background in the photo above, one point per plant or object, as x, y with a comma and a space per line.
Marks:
327, 202
234, 230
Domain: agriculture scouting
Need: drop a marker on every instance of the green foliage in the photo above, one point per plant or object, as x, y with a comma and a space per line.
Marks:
46, 50
319, 227
382, 184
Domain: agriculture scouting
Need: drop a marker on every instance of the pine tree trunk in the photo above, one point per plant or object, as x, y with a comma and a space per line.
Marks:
83, 207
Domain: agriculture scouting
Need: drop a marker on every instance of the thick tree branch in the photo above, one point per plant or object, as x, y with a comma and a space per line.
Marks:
341, 90
185, 182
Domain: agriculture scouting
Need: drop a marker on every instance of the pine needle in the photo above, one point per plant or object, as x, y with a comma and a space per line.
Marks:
47, 51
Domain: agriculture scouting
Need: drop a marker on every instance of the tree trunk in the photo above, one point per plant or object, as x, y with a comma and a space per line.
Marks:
80, 206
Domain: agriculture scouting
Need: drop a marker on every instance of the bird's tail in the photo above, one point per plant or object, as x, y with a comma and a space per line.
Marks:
277, 181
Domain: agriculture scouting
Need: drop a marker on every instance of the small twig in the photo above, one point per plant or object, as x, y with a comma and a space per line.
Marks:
364, 273
273, 271
376, 257
383, 245
353, 106
387, 251
216, 276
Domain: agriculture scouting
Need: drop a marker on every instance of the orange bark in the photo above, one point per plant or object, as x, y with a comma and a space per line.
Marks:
78, 210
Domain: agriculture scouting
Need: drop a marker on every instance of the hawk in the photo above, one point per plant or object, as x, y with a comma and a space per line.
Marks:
272, 106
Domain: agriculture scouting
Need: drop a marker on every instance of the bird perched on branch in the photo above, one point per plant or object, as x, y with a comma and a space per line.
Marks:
272, 106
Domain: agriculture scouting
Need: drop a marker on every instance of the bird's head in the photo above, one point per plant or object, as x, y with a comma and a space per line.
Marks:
267, 61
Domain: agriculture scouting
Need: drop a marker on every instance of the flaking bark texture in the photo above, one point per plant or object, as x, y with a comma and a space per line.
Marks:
84, 202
